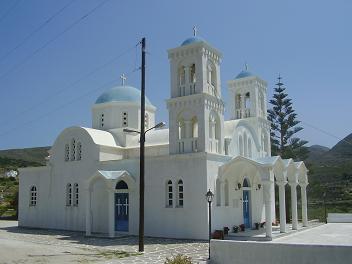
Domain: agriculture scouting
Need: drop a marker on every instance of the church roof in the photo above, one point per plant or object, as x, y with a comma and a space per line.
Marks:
243, 74
191, 40
123, 93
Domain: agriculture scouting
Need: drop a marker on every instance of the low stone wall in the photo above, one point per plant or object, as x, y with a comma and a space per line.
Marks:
245, 252
339, 218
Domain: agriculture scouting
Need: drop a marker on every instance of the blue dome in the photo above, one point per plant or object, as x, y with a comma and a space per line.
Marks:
121, 94
244, 74
192, 40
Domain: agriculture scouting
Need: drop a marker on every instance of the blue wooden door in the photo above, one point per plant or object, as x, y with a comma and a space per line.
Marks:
121, 211
246, 209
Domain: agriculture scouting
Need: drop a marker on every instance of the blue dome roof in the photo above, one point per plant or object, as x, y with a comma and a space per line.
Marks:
244, 74
192, 40
123, 93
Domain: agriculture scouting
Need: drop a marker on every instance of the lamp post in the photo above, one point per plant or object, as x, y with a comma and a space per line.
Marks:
324, 197
209, 195
141, 177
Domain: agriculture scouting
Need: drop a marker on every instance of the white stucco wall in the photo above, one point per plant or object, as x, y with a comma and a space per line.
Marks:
244, 252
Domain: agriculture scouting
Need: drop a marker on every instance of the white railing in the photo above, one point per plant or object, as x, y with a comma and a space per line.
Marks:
243, 113
192, 88
213, 145
186, 145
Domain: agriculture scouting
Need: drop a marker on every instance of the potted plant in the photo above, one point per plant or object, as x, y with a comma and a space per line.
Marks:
226, 230
242, 227
235, 229
257, 226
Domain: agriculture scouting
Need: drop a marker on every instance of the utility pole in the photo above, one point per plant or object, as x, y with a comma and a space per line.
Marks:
141, 159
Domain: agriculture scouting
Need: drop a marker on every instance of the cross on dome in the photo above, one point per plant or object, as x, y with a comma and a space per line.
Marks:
123, 79
194, 31
246, 66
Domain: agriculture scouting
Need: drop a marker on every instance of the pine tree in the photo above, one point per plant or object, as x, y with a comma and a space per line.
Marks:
284, 126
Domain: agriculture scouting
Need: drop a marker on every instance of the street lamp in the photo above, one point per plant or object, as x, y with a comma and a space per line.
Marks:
209, 195
324, 197
141, 177
159, 125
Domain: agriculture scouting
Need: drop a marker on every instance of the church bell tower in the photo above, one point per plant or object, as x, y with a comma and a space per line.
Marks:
196, 111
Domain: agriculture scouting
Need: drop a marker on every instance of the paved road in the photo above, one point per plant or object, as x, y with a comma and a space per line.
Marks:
23, 245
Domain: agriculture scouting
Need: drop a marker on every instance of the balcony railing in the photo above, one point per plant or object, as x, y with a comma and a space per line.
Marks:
186, 145
243, 113
213, 145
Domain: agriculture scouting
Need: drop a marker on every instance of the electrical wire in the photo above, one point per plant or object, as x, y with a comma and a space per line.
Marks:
326, 132
105, 85
35, 31
9, 10
46, 44
71, 85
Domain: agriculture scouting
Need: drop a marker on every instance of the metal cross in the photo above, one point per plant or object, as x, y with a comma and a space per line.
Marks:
123, 79
194, 31
246, 66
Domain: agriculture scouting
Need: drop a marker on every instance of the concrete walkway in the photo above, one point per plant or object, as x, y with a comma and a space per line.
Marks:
24, 245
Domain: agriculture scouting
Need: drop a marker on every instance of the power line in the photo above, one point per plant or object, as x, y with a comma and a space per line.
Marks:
76, 22
9, 10
107, 84
35, 31
326, 133
71, 85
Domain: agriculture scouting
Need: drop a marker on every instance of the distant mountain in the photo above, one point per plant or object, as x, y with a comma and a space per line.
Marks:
315, 152
342, 150
28, 155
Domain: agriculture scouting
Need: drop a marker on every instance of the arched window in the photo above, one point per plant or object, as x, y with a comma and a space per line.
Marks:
246, 183
68, 194
180, 193
124, 118
73, 149
192, 79
33, 196
79, 151
181, 80
218, 192
226, 193
76, 194
121, 185
169, 194
67, 152
101, 120
194, 127
146, 121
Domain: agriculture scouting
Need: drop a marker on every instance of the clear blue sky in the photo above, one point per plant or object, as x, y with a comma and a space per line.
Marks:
308, 42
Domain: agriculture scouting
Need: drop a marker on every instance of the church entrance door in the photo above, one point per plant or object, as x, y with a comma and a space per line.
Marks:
246, 209
121, 206
121, 212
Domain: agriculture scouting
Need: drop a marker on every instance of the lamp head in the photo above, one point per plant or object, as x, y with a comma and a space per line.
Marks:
160, 125
209, 195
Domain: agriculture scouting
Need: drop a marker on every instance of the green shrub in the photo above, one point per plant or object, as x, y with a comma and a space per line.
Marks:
179, 259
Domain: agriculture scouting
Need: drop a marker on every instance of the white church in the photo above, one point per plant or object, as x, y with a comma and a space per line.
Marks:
91, 180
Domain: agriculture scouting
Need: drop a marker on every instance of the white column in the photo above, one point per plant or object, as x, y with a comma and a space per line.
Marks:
304, 204
187, 92
111, 212
267, 192
294, 205
282, 205
88, 212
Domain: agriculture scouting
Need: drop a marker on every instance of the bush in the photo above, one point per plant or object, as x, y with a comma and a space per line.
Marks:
179, 259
